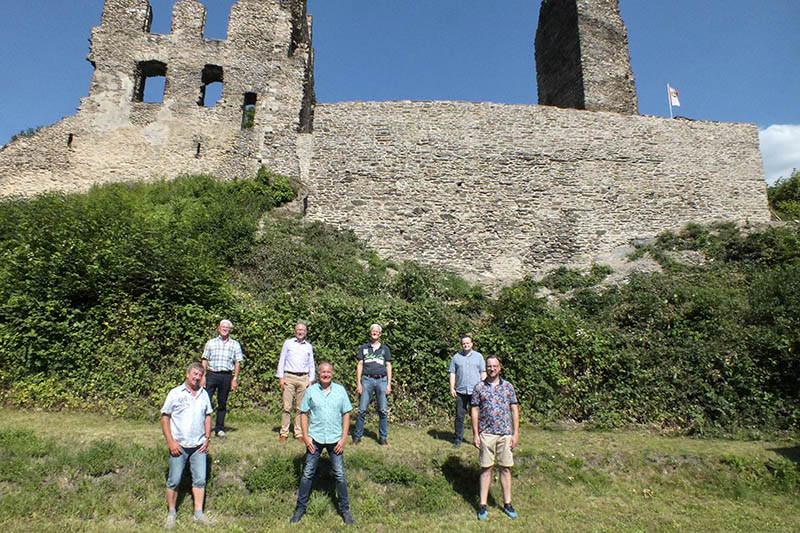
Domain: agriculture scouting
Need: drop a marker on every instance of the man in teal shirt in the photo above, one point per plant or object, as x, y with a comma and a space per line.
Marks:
325, 419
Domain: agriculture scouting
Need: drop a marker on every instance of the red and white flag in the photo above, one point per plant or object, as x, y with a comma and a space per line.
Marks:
673, 96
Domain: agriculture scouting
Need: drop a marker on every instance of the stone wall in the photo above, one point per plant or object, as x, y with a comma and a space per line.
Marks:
495, 191
114, 136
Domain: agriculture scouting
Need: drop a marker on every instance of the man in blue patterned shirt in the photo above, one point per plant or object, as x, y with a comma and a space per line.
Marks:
325, 419
495, 426
222, 357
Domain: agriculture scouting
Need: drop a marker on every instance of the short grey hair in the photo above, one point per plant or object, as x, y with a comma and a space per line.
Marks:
226, 322
376, 326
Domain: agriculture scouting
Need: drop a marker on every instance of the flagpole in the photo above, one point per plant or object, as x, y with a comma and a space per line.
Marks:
669, 100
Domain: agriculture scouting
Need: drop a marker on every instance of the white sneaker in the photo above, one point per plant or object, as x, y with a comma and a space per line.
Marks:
170, 522
221, 434
203, 520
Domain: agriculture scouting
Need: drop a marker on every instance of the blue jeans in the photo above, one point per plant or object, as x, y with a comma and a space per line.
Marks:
310, 469
370, 386
197, 462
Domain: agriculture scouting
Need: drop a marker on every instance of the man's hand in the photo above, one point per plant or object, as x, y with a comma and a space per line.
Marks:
514, 440
282, 383
309, 444
174, 448
453, 393
339, 448
388, 389
359, 388
234, 383
477, 441
203, 447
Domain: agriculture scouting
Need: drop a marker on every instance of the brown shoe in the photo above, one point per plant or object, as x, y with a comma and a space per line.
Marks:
283, 438
356, 441
383, 442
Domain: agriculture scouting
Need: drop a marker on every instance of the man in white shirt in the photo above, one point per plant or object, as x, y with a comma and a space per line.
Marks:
186, 423
295, 374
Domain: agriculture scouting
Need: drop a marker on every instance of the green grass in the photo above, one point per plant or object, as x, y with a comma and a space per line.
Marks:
76, 471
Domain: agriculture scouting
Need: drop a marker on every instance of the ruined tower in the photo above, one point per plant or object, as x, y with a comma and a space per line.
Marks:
264, 67
582, 58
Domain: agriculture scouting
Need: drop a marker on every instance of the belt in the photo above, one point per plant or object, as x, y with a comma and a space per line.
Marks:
220, 371
376, 376
297, 373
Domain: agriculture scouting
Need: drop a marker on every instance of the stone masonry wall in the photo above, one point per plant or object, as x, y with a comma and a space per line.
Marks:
116, 137
494, 192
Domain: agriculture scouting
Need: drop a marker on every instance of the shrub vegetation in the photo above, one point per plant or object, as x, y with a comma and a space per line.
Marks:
106, 296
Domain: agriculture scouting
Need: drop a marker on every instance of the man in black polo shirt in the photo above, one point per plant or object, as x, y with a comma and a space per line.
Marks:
373, 376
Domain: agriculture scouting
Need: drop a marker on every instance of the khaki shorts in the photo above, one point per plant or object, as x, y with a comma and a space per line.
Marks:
495, 447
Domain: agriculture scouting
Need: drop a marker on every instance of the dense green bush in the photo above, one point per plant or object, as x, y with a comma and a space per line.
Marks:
106, 296
784, 197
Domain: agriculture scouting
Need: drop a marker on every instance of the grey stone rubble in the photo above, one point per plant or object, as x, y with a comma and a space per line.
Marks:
490, 191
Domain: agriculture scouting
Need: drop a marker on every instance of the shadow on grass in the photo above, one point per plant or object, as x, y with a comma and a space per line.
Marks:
367, 434
437, 434
791, 453
463, 478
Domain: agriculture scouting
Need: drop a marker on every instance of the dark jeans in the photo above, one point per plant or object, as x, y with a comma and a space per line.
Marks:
337, 467
219, 382
462, 407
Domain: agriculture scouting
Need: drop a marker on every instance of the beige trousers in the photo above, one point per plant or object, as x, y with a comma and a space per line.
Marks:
292, 393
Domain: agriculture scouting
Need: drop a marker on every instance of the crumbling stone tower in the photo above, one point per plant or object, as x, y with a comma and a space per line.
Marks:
265, 66
582, 58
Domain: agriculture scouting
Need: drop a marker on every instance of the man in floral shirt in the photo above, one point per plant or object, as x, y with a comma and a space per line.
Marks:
495, 425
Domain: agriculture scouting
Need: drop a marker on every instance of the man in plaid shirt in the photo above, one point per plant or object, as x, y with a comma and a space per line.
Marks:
221, 359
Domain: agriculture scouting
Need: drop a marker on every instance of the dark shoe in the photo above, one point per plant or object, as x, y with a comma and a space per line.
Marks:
356, 440
456, 444
348, 518
297, 516
510, 512
383, 442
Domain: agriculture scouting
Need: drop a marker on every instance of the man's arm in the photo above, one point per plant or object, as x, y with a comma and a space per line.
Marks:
235, 379
388, 378
204, 362
453, 385
515, 422
345, 430
483, 376
476, 437
359, 370
281, 363
174, 447
207, 425
311, 368
306, 438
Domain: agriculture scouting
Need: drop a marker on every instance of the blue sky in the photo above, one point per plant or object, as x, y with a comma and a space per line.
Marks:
731, 60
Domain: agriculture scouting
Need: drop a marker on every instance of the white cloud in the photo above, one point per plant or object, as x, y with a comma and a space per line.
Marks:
780, 148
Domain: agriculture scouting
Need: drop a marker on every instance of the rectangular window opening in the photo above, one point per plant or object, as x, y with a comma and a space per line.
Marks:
211, 90
151, 82
249, 110
70, 138
197, 150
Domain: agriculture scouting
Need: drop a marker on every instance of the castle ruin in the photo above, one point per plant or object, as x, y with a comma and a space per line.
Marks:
490, 191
